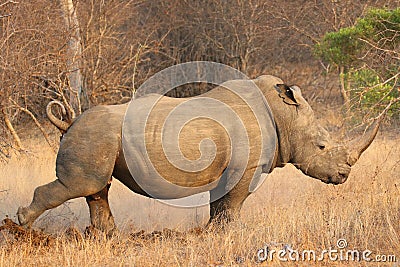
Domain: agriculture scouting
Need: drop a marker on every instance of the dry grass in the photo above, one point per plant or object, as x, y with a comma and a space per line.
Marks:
289, 208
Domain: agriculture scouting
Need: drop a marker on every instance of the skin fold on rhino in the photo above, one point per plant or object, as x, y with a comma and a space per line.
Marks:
91, 153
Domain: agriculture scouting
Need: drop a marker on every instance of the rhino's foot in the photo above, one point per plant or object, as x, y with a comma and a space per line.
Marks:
96, 233
106, 227
25, 217
100, 212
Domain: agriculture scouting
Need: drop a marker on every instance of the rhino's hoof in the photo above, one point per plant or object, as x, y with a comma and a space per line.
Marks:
113, 232
22, 218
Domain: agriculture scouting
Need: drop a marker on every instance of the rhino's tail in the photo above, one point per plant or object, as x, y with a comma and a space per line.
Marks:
60, 124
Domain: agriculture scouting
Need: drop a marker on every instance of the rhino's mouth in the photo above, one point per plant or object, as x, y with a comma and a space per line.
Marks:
341, 175
340, 178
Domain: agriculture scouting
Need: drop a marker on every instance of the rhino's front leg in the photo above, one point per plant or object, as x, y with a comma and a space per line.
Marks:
227, 208
221, 210
100, 213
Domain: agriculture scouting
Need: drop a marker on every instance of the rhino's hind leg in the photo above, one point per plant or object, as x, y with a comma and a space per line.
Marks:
100, 214
53, 194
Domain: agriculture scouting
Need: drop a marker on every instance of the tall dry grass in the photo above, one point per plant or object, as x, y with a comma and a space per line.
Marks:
290, 210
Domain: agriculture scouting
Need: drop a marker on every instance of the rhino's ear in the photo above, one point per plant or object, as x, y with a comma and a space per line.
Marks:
291, 94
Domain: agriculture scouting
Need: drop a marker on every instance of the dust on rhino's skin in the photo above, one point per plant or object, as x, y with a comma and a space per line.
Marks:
91, 152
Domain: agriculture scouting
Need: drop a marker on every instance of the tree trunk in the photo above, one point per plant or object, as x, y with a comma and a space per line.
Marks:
74, 54
345, 96
10, 127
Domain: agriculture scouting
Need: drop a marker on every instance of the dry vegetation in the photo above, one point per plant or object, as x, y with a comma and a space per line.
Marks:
289, 209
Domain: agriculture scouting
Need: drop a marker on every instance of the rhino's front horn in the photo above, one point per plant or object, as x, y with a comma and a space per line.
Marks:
361, 144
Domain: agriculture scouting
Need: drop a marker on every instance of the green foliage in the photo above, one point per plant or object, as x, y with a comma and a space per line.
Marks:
372, 47
340, 48
370, 93
344, 47
381, 23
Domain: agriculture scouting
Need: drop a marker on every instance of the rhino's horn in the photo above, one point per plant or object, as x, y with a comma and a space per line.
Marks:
361, 144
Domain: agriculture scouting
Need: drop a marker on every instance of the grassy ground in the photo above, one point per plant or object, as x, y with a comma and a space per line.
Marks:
290, 211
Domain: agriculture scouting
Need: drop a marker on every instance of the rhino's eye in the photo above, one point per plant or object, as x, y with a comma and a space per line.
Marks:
322, 147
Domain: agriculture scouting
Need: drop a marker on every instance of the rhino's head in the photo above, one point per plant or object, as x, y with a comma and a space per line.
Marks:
303, 142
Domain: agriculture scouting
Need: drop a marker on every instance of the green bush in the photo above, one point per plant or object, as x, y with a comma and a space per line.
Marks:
339, 48
367, 55
368, 93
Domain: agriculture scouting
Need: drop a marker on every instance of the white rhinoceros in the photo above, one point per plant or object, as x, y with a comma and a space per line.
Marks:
92, 151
